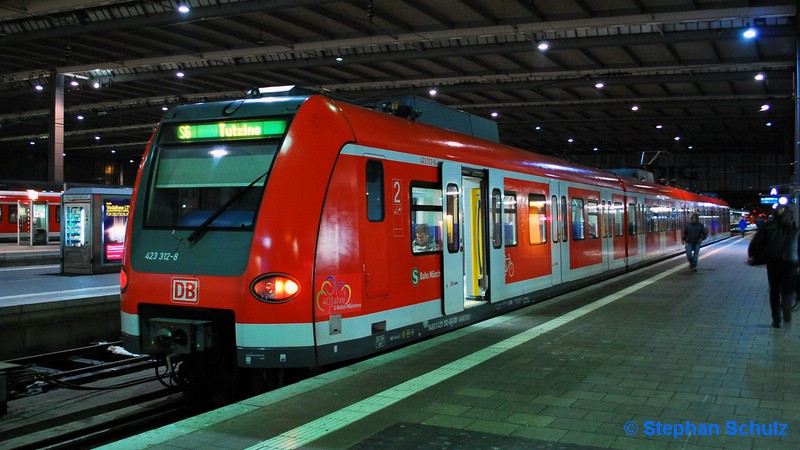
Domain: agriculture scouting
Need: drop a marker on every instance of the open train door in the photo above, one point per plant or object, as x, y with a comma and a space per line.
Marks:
453, 250
559, 249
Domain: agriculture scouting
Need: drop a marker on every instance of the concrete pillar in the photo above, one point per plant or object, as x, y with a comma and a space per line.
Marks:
55, 150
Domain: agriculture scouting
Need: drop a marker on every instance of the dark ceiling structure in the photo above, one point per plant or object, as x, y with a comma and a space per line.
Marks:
677, 75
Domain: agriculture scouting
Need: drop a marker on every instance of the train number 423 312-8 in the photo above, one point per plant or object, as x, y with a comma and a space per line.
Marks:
161, 256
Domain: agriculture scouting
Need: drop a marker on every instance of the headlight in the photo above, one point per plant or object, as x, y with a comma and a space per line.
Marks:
275, 288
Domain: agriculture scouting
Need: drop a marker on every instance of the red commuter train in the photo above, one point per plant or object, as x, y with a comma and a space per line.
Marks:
278, 232
22, 210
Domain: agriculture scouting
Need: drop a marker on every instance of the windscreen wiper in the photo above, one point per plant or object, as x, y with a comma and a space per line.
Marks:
200, 230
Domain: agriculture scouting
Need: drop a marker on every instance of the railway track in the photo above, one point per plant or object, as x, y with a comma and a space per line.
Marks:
86, 397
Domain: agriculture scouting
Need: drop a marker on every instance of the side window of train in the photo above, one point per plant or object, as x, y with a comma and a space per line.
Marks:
618, 224
563, 220
453, 219
12, 213
375, 197
510, 214
578, 221
58, 213
649, 219
426, 217
593, 222
537, 218
632, 219
1, 213
554, 219
497, 217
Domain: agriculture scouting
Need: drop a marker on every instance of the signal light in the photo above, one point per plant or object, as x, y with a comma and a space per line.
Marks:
275, 288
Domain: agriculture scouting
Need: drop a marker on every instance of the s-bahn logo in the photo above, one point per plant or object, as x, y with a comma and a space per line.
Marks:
185, 290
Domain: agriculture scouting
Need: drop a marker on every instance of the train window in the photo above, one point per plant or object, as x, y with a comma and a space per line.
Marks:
12, 213
649, 219
192, 182
1, 213
58, 213
375, 198
537, 218
563, 219
578, 221
593, 223
632, 219
555, 219
497, 218
452, 219
426, 217
617, 214
510, 224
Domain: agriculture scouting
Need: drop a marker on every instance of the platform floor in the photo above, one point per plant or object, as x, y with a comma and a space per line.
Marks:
660, 358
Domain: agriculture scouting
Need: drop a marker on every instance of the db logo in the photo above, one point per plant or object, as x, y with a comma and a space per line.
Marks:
185, 290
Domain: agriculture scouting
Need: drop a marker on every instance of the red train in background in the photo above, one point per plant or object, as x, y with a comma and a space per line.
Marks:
279, 232
24, 211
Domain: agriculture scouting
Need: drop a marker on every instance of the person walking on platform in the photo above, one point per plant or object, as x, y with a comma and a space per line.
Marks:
693, 234
742, 225
776, 243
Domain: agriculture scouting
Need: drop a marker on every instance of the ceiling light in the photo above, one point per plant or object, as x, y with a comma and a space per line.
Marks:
750, 33
759, 77
165, 108
570, 140
96, 85
599, 85
97, 138
113, 151
433, 92
544, 45
659, 126
339, 58
38, 87
74, 83
769, 124
179, 74
634, 108
597, 149
80, 117
764, 107
677, 138
495, 114
184, 8
32, 143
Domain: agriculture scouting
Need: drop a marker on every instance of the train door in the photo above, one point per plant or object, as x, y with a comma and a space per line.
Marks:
453, 251
498, 224
476, 233
23, 223
465, 237
616, 231
559, 237
634, 232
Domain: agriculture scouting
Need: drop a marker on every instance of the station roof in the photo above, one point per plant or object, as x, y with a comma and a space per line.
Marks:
677, 75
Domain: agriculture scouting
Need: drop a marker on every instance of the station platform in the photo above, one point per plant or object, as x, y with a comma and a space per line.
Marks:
660, 358
13, 254
42, 310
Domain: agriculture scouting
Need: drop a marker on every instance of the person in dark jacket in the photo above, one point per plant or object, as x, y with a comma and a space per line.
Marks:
693, 234
779, 246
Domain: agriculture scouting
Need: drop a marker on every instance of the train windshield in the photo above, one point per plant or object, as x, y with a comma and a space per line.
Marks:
196, 179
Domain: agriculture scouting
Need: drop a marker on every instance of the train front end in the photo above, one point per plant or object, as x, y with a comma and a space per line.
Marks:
217, 243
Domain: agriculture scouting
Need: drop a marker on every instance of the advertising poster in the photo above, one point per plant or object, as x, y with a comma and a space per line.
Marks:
115, 219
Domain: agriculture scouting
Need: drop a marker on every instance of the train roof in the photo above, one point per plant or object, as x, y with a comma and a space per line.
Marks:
372, 127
